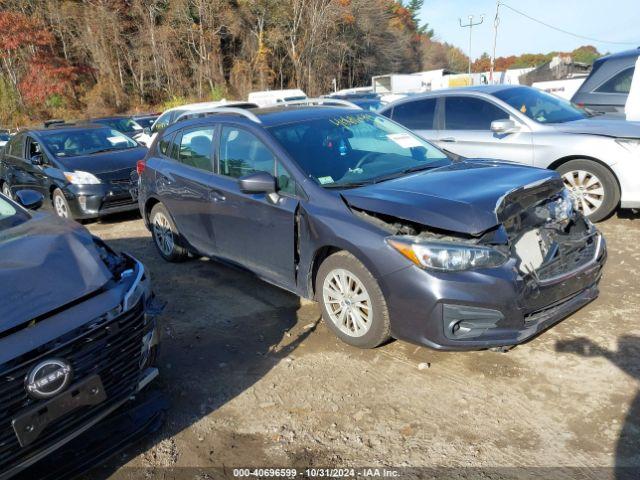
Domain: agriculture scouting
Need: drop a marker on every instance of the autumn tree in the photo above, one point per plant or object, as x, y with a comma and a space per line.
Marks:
29, 63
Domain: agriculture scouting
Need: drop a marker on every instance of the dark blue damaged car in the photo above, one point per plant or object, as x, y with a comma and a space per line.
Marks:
78, 340
393, 237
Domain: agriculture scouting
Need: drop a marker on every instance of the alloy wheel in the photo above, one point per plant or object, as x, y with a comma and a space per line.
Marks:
61, 207
347, 302
162, 233
586, 189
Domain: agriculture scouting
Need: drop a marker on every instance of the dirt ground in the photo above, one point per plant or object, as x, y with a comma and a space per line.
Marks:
255, 379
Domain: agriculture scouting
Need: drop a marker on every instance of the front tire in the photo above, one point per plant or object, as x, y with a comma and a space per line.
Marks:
593, 186
165, 235
352, 303
60, 204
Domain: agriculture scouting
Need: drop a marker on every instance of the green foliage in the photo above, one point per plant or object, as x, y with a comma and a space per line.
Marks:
414, 6
10, 105
586, 54
55, 101
174, 101
218, 93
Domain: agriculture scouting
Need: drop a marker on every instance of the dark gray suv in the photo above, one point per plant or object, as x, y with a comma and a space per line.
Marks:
392, 236
607, 87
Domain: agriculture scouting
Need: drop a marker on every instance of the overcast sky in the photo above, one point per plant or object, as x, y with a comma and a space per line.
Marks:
610, 20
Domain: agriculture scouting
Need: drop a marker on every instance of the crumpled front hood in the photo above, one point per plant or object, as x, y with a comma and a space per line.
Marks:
602, 126
465, 197
46, 263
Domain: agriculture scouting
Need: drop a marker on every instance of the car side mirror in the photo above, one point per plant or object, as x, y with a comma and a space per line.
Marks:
258, 182
147, 130
29, 199
504, 126
37, 159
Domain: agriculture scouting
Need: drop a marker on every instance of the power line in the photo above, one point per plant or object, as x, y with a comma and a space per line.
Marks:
562, 30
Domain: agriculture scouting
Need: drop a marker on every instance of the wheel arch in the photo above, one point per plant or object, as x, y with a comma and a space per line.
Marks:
561, 161
320, 255
148, 206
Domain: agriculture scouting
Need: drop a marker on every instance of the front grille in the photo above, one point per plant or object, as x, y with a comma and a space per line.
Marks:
569, 256
120, 202
124, 174
111, 349
542, 314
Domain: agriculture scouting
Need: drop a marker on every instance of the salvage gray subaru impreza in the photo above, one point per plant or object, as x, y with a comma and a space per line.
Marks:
392, 236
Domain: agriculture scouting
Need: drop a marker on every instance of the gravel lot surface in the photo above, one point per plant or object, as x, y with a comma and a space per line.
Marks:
255, 379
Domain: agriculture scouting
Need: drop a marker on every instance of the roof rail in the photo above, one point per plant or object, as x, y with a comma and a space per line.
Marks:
53, 122
322, 101
214, 111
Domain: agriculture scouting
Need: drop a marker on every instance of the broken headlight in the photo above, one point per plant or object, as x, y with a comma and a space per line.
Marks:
447, 257
139, 288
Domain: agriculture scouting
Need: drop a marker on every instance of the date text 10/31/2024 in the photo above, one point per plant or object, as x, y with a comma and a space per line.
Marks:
316, 473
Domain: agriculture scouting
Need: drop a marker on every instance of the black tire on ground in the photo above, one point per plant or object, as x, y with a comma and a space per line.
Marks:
607, 179
60, 204
162, 223
379, 331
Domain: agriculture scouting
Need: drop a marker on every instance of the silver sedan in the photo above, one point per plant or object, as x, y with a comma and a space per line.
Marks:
598, 158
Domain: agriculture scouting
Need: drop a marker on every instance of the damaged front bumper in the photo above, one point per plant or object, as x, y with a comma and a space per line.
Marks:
486, 308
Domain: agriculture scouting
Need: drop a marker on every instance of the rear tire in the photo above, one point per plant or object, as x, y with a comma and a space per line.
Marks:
593, 187
60, 204
352, 303
165, 235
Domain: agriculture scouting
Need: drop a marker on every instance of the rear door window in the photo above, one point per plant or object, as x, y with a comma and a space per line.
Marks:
417, 114
164, 145
162, 122
196, 148
16, 146
467, 113
242, 153
619, 83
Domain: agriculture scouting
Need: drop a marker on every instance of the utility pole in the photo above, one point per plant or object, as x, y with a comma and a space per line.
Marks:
470, 25
496, 22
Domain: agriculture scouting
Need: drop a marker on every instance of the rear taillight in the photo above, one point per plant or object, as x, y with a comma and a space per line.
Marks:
140, 166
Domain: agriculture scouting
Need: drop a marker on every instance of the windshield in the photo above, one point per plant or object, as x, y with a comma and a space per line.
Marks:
540, 106
74, 143
10, 216
4, 137
146, 122
126, 125
356, 148
291, 99
370, 104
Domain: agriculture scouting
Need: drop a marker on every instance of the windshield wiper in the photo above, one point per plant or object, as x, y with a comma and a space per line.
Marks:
419, 168
102, 150
348, 184
406, 171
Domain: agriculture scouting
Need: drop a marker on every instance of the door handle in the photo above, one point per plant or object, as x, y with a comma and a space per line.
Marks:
447, 139
217, 196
